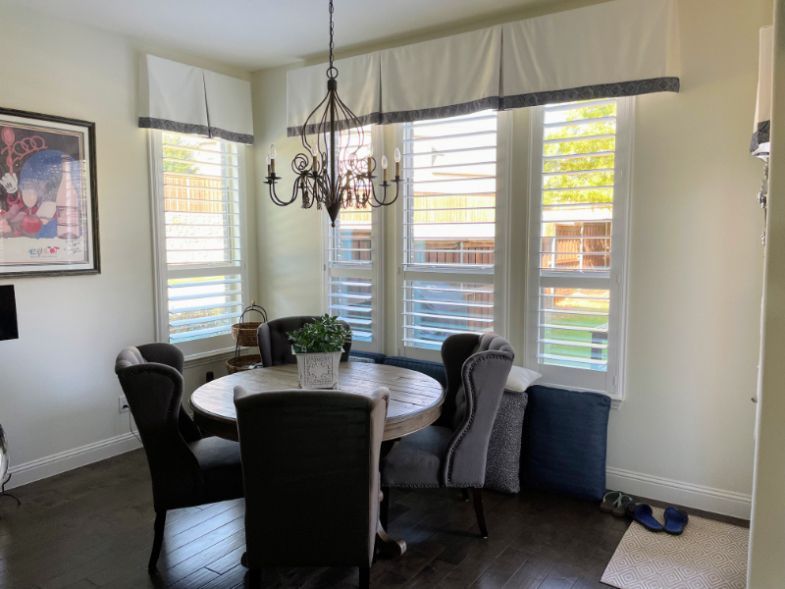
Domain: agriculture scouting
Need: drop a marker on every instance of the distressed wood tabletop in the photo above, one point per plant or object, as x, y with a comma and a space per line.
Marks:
415, 398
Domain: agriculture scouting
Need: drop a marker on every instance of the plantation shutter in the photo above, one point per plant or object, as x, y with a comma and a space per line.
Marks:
200, 218
579, 231
449, 228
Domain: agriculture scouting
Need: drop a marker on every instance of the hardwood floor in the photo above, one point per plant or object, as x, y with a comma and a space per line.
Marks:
93, 527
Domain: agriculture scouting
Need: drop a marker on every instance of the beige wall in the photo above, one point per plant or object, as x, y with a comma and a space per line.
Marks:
685, 429
58, 391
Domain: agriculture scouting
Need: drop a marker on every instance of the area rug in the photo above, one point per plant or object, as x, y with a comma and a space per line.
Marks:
708, 555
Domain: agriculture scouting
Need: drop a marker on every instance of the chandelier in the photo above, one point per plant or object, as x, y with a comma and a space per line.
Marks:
336, 170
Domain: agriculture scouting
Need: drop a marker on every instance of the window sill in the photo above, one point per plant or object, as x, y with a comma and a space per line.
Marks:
209, 357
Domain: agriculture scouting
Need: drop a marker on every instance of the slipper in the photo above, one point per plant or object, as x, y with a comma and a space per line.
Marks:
675, 520
609, 501
622, 505
616, 503
643, 515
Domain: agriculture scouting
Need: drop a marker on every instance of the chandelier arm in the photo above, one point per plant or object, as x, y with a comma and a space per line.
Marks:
351, 120
278, 200
304, 131
384, 202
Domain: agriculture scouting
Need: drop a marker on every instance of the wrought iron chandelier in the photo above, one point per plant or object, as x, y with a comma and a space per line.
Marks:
336, 170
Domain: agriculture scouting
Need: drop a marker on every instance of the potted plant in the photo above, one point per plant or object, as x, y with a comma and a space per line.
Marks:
318, 346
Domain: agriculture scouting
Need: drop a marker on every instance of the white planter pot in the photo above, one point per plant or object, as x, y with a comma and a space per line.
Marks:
318, 370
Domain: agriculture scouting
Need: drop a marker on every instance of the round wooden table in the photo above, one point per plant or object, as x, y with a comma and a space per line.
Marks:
415, 399
415, 403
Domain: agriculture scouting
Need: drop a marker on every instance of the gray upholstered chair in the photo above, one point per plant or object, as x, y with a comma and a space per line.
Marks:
452, 452
273, 338
186, 468
311, 475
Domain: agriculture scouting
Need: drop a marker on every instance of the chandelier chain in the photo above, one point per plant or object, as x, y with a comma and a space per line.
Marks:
332, 35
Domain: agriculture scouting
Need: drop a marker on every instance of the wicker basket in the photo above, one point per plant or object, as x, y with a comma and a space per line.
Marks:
241, 363
244, 332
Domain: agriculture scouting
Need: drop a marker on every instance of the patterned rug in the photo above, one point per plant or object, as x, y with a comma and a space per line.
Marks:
708, 555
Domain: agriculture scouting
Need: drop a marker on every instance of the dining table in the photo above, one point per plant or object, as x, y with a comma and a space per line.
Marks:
415, 403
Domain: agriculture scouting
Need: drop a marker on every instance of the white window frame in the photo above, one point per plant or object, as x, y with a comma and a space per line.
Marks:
498, 276
374, 273
205, 347
611, 382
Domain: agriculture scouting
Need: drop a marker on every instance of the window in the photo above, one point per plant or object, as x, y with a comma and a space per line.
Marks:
196, 188
581, 154
449, 229
353, 277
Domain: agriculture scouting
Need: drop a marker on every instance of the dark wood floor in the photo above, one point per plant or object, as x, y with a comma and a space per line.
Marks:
92, 527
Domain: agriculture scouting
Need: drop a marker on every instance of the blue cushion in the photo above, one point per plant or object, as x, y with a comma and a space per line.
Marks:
374, 357
565, 436
432, 369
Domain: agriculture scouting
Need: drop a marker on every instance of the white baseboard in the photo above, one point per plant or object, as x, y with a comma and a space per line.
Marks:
681, 493
635, 483
53, 464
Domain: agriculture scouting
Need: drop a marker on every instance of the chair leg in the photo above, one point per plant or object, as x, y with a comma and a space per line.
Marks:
158, 540
365, 577
384, 508
477, 496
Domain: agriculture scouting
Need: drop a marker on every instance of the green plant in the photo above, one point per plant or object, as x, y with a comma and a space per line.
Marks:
321, 335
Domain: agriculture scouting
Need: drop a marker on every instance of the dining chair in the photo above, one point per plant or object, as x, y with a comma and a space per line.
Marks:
273, 338
186, 468
452, 453
311, 476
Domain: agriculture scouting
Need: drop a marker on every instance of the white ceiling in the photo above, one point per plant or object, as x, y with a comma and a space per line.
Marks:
253, 34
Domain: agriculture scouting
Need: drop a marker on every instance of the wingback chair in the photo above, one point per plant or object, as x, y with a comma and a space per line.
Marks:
452, 452
186, 468
311, 475
273, 339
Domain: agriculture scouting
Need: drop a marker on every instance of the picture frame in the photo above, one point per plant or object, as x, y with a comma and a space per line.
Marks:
48, 196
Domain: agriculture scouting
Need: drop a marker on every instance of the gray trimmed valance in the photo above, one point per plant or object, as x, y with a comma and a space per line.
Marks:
760, 144
616, 48
442, 78
358, 87
621, 48
186, 99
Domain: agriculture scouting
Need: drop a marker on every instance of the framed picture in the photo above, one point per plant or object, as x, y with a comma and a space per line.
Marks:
48, 200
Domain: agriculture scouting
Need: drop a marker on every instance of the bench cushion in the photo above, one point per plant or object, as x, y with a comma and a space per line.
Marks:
565, 436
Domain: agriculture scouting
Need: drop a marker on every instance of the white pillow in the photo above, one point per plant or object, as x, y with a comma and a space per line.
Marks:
521, 379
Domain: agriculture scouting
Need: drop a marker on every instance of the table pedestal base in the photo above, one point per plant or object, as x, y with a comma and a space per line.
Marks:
386, 545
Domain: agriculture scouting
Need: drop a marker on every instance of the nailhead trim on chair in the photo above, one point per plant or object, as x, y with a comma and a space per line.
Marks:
459, 435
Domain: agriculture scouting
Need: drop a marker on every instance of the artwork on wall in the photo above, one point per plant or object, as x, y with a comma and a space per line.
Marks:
48, 200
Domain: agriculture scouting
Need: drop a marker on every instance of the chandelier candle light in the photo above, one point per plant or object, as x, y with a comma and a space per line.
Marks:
336, 170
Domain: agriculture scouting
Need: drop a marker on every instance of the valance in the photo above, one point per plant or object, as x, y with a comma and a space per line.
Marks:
442, 78
616, 48
186, 99
619, 48
760, 135
358, 87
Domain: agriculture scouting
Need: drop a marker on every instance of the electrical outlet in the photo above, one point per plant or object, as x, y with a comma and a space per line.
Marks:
122, 404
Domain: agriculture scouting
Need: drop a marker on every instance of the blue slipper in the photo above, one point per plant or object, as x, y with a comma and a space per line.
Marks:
643, 515
675, 521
